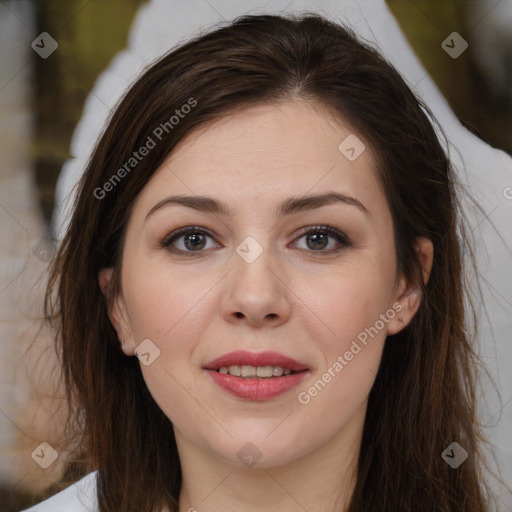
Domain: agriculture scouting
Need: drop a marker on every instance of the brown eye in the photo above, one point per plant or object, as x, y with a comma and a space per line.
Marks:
317, 239
190, 239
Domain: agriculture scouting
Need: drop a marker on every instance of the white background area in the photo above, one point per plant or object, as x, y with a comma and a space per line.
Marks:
487, 172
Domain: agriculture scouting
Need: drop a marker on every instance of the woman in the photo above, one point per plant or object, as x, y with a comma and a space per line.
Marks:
259, 299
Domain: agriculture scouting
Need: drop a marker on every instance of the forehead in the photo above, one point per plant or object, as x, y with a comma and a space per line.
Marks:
268, 152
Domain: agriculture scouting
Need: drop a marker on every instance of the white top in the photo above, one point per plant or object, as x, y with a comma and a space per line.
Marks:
78, 497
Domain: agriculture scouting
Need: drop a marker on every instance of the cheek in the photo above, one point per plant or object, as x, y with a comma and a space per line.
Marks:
164, 305
171, 309
348, 300
351, 302
352, 351
351, 354
165, 308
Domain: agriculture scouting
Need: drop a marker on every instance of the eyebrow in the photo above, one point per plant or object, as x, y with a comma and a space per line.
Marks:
289, 206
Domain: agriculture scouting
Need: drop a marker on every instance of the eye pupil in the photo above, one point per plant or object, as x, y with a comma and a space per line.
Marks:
194, 236
321, 238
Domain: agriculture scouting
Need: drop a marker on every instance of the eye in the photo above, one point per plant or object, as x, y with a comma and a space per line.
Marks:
317, 239
194, 240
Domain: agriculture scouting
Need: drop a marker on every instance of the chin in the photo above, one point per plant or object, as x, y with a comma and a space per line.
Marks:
258, 449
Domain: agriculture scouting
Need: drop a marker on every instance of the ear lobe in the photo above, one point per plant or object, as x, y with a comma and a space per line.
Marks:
409, 294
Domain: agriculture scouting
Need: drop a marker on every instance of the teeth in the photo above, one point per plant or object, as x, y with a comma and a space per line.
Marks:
265, 371
235, 370
277, 371
251, 372
248, 371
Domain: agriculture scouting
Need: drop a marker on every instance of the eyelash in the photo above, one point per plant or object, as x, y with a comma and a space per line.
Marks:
340, 237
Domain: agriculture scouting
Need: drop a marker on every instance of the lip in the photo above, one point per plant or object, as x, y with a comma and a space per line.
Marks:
242, 357
256, 388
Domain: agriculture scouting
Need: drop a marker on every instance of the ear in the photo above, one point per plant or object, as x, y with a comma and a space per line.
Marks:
117, 313
409, 294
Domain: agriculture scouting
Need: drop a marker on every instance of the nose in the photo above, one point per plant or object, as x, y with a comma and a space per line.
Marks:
256, 293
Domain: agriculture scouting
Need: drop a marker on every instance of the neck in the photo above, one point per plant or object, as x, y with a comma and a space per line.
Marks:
321, 481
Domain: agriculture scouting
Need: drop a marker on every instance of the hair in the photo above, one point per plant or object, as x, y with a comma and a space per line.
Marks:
423, 397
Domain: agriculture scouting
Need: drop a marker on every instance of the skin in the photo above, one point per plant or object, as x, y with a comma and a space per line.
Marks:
295, 298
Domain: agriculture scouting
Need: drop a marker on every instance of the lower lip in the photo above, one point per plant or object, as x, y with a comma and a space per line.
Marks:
257, 389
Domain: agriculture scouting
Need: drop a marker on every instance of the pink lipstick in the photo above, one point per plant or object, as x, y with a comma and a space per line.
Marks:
256, 376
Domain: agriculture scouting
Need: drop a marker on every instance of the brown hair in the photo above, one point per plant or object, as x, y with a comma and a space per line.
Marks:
423, 397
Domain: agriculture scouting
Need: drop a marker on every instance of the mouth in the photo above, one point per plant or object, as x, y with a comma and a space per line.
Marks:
256, 376
255, 372
250, 365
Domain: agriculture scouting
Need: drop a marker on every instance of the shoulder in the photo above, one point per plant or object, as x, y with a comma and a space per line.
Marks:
78, 497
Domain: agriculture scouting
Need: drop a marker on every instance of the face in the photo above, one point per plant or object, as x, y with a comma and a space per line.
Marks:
303, 286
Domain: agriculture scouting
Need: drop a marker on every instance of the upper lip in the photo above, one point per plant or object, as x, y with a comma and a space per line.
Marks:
244, 358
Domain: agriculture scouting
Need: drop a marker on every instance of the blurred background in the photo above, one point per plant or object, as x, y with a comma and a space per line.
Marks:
42, 96
478, 84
